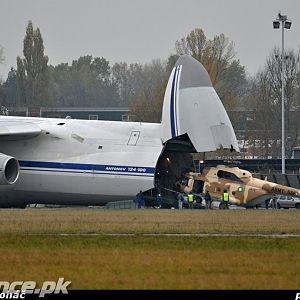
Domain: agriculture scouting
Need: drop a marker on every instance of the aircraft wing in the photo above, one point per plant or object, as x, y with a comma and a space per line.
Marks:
18, 130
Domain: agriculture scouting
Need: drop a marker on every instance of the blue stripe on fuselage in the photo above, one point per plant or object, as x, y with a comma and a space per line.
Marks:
173, 108
87, 167
175, 100
172, 112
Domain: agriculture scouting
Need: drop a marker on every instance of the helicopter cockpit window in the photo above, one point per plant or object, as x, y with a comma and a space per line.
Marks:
228, 176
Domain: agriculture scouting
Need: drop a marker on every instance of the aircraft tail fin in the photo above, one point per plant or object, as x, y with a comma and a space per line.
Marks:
192, 106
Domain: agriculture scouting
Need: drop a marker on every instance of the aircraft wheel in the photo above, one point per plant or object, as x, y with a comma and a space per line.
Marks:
222, 205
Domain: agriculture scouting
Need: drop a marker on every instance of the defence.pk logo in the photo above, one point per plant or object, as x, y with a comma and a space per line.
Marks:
19, 289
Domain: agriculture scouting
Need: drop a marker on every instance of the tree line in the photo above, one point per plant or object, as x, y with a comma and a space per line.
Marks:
93, 81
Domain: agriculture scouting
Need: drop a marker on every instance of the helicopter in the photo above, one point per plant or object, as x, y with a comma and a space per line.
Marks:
244, 190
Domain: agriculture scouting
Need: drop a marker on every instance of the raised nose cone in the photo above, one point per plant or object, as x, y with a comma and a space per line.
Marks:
193, 110
193, 73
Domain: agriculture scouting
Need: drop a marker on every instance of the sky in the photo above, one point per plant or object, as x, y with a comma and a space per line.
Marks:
141, 30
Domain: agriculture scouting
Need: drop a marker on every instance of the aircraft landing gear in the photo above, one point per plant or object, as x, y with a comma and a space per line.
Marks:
223, 205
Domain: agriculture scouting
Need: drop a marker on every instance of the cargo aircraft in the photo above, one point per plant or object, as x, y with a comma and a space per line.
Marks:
92, 162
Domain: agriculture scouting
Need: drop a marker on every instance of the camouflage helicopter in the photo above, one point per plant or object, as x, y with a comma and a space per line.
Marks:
243, 188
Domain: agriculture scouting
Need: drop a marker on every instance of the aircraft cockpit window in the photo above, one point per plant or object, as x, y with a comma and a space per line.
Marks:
246, 175
228, 176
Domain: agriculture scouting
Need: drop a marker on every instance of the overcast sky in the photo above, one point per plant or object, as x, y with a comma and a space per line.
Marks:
142, 30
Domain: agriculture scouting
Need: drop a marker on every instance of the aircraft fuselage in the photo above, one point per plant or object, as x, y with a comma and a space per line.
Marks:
83, 162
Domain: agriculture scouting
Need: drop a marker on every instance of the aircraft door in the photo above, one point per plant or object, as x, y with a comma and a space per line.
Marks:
134, 136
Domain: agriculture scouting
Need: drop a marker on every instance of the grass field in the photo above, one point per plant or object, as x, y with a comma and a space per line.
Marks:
33, 249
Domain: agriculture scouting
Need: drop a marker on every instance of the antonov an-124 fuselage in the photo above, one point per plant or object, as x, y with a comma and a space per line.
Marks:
89, 162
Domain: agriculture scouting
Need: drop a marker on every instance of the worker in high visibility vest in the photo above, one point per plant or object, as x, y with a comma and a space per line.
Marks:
190, 197
225, 198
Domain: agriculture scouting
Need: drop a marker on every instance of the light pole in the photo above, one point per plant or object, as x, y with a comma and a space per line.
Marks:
285, 23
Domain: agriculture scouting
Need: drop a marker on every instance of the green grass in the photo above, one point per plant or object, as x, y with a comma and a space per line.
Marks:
34, 221
29, 251
139, 262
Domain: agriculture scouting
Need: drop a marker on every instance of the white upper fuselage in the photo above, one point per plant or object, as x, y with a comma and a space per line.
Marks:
82, 159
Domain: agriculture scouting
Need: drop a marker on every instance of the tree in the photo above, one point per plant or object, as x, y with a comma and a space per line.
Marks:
193, 44
32, 71
215, 55
218, 57
232, 85
149, 88
139, 86
266, 101
10, 88
148, 108
124, 78
264, 115
87, 82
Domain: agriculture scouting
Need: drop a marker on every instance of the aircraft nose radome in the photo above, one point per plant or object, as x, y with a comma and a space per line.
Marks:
193, 73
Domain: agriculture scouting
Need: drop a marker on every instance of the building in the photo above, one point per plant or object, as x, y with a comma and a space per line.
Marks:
296, 152
87, 113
